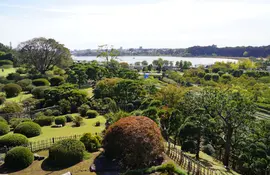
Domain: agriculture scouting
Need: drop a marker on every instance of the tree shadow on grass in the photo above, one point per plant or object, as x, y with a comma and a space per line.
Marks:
206, 163
47, 165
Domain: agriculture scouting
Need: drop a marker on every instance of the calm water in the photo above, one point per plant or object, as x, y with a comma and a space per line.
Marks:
149, 59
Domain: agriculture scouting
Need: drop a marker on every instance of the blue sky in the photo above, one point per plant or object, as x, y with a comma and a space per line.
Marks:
84, 24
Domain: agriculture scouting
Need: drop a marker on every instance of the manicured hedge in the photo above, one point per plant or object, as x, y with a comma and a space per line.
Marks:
60, 121
14, 76
92, 114
41, 82
12, 90
66, 152
44, 120
69, 118
83, 109
29, 129
38, 92
135, 141
4, 128
19, 158
90, 142
12, 140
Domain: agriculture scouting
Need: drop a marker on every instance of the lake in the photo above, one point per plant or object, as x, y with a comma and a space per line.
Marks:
149, 59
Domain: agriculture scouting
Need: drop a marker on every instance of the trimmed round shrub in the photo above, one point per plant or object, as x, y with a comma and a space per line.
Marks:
208, 149
2, 120
14, 122
136, 142
130, 107
38, 92
69, 118
220, 73
66, 152
41, 82
19, 158
56, 81
12, 90
92, 114
4, 128
97, 123
24, 83
44, 121
12, 107
83, 109
60, 121
29, 129
14, 76
12, 140
90, 142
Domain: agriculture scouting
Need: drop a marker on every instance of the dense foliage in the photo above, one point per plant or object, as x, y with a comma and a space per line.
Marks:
4, 128
91, 142
60, 121
12, 140
29, 129
12, 90
66, 152
19, 158
130, 139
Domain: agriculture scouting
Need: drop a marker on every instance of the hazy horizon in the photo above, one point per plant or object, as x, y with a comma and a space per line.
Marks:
85, 24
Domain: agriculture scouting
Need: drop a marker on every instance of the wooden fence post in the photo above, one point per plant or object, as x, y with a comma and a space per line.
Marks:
53, 140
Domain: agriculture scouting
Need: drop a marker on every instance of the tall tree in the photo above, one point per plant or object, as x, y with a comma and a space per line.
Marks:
43, 54
107, 52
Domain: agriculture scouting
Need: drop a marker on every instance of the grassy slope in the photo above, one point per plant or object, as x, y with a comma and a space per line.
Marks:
89, 126
7, 71
22, 96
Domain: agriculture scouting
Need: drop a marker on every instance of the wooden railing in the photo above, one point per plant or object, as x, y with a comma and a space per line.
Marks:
186, 162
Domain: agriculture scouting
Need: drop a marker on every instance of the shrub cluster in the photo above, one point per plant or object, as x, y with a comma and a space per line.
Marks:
11, 107
44, 120
90, 142
3, 120
83, 109
78, 121
57, 80
5, 62
14, 76
60, 121
29, 129
19, 158
66, 152
69, 118
2, 99
41, 82
142, 140
4, 128
12, 90
92, 114
12, 140
14, 122
25, 83
38, 92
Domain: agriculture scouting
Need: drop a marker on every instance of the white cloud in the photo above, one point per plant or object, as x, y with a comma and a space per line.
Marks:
168, 23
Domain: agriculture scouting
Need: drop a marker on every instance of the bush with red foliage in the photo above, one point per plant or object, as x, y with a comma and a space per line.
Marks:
136, 142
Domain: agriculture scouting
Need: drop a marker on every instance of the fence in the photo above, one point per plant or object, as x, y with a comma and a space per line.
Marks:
42, 144
187, 163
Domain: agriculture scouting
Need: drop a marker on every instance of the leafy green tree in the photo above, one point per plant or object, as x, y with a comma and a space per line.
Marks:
144, 63
107, 52
43, 54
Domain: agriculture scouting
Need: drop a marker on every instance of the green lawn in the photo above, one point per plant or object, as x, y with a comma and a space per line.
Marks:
68, 130
7, 71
